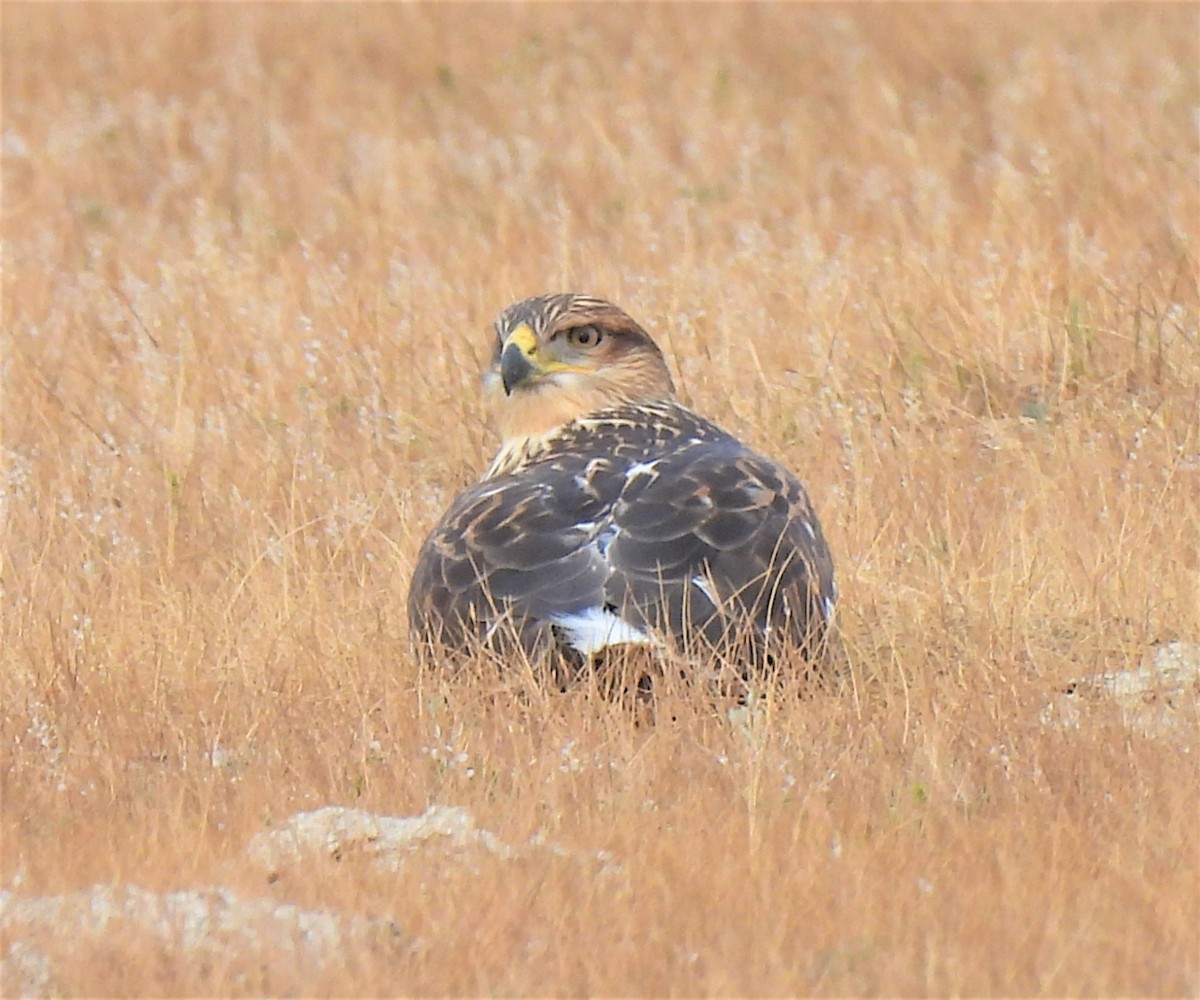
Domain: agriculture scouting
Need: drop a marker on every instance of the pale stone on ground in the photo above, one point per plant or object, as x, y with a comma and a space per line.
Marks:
1159, 698
388, 841
259, 933
337, 832
25, 972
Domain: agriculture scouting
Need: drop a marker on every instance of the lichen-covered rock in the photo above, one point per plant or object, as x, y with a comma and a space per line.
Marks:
196, 924
1159, 698
337, 833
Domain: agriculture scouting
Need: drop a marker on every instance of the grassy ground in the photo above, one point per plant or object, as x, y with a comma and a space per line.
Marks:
942, 262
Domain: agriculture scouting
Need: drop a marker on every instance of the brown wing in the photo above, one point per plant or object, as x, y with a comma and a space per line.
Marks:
678, 536
510, 553
719, 541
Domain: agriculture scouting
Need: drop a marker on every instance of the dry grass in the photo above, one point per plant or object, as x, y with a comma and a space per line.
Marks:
942, 262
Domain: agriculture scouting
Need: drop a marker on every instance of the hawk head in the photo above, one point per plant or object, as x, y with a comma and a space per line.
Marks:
561, 357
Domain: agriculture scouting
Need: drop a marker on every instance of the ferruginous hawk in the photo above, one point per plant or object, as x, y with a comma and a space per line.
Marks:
613, 515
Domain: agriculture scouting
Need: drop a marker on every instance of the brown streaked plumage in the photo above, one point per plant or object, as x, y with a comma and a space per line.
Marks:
612, 515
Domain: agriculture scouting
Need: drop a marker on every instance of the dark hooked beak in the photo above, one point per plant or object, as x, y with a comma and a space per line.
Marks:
515, 367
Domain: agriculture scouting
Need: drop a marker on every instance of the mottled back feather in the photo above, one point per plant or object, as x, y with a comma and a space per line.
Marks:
641, 523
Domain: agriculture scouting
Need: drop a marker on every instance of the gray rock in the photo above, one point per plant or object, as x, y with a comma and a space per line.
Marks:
25, 972
388, 842
215, 922
1158, 698
337, 832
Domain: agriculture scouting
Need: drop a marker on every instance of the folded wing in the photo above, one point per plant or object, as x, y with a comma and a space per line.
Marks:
702, 541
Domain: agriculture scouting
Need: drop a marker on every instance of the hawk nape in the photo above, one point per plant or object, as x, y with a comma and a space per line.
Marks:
614, 516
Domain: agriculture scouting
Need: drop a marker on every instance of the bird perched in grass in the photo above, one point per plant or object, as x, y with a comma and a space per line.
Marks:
614, 517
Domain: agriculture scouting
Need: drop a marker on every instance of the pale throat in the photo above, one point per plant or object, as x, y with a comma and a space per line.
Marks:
528, 421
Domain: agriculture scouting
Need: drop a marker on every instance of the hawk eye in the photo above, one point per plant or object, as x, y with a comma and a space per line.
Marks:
585, 336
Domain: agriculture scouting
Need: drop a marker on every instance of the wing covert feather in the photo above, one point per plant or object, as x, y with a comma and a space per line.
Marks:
689, 532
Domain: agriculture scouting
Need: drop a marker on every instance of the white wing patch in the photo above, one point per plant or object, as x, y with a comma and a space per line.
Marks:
606, 536
592, 630
703, 585
640, 469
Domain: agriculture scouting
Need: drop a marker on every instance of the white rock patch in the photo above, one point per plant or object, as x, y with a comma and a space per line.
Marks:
261, 934
1159, 698
199, 922
335, 831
